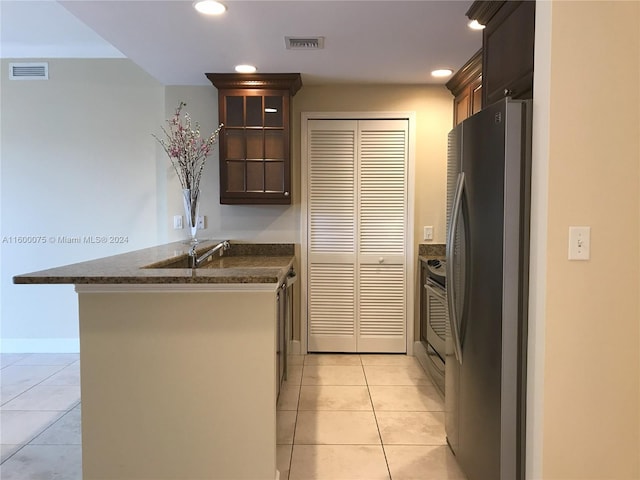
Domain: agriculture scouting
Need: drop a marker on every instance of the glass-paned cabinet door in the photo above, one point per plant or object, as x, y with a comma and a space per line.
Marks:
273, 115
254, 111
255, 163
234, 107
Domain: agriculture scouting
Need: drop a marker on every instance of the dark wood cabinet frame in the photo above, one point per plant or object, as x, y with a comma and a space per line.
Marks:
508, 48
258, 179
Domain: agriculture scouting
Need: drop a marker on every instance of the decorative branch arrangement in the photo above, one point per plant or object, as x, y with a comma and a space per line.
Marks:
187, 151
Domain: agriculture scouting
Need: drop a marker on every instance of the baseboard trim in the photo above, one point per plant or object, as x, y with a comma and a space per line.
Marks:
40, 345
294, 347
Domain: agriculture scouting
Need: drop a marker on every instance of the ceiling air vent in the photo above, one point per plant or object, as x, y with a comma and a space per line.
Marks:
29, 71
304, 43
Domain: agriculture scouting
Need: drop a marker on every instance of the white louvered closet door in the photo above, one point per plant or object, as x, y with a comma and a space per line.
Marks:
382, 235
356, 235
332, 236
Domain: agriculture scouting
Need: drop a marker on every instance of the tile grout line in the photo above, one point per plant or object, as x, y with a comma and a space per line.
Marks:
39, 432
14, 453
295, 424
375, 417
28, 390
16, 361
39, 383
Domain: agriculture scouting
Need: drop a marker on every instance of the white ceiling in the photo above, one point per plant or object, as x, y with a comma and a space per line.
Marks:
379, 41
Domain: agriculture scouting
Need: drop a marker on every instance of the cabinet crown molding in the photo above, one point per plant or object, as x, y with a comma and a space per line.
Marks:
483, 10
467, 73
269, 81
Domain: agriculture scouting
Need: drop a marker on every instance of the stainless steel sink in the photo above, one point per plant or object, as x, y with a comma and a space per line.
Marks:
196, 259
180, 262
184, 262
213, 261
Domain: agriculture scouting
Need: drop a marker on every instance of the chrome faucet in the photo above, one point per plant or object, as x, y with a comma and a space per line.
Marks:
197, 261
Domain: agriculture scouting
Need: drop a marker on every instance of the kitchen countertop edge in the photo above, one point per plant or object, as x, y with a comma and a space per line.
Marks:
272, 266
431, 251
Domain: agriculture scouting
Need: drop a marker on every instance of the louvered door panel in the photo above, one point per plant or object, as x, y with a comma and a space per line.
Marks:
382, 235
382, 312
331, 188
383, 155
332, 236
332, 307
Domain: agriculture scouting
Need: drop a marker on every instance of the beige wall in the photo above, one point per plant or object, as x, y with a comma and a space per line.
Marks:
589, 422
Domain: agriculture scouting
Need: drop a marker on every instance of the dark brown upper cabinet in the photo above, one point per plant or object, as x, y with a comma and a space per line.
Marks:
466, 86
507, 48
255, 145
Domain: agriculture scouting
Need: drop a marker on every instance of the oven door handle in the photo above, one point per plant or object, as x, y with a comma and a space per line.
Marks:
451, 281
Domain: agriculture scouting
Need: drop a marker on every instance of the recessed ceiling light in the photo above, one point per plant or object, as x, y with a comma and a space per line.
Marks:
209, 7
474, 25
245, 68
443, 72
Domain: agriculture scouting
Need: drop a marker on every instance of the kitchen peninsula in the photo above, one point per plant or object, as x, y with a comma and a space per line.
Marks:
178, 365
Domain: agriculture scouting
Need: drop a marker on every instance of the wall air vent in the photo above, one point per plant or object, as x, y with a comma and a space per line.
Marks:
304, 43
29, 71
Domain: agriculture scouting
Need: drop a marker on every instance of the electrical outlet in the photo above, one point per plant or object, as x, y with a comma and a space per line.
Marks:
177, 222
200, 222
428, 233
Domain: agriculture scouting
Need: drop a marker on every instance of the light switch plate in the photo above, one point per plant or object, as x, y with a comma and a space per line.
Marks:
200, 222
579, 243
428, 233
177, 222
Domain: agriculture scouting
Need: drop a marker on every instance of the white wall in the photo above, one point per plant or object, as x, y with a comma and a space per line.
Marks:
77, 159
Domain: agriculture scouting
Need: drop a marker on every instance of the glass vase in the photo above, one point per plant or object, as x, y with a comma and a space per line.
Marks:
191, 206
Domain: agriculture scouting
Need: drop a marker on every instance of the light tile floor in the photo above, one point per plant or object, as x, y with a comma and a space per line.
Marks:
40, 417
339, 417
362, 417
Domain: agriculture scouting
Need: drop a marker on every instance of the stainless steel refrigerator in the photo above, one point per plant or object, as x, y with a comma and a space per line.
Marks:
488, 199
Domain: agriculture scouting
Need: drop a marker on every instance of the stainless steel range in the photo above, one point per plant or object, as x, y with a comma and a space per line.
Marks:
436, 321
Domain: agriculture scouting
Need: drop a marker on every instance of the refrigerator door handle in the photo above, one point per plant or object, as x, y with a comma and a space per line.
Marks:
451, 299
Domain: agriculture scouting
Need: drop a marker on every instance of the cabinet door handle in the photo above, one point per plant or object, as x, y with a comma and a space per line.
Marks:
286, 194
508, 92
381, 260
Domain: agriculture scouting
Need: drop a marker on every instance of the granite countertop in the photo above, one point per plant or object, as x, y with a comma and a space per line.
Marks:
431, 251
242, 263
